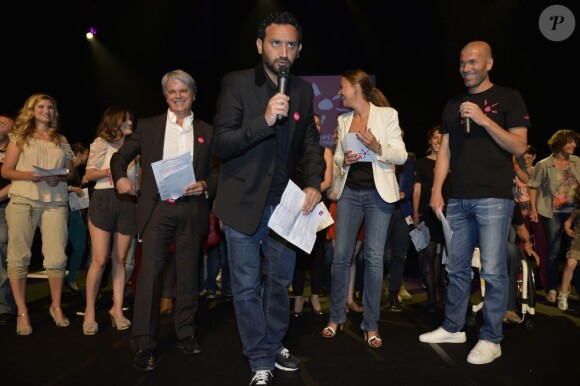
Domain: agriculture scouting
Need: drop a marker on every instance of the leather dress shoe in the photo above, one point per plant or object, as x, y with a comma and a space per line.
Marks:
189, 345
144, 360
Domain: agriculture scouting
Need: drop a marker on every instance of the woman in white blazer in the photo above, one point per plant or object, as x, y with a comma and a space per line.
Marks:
368, 191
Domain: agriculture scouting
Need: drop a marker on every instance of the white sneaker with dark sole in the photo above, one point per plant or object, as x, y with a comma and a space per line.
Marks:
442, 336
484, 352
262, 378
286, 361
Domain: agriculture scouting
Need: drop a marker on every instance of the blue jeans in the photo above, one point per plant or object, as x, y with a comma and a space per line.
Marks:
217, 256
486, 220
7, 305
557, 242
77, 238
354, 206
396, 250
260, 289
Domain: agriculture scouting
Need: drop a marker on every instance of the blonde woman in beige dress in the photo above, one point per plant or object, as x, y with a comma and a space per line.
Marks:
37, 200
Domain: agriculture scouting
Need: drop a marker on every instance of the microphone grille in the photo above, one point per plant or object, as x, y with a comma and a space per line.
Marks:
283, 70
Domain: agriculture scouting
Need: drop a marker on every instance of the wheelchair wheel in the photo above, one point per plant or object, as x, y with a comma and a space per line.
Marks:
520, 283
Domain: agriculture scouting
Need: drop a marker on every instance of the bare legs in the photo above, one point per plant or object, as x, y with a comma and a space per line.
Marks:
567, 275
101, 248
19, 292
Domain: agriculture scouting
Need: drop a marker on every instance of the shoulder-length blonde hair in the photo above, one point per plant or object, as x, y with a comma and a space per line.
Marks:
25, 124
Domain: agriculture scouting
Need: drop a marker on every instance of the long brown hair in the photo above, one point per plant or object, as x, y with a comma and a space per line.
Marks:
110, 125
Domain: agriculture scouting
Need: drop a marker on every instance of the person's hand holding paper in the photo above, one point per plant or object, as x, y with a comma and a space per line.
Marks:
174, 176
356, 146
447, 232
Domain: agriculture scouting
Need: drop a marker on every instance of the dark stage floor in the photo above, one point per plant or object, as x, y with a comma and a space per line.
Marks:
64, 356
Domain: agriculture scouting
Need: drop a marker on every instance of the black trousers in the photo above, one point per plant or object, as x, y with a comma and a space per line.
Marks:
168, 223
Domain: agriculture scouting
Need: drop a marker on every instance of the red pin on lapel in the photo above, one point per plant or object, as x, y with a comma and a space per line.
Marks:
200, 140
296, 116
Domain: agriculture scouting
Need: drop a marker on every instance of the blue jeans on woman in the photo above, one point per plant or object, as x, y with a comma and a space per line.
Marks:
485, 221
557, 242
7, 305
396, 249
217, 257
260, 288
77, 238
354, 206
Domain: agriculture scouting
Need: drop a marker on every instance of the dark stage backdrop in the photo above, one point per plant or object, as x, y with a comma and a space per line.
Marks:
328, 104
411, 47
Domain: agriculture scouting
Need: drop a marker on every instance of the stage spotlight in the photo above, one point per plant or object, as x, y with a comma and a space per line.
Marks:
91, 34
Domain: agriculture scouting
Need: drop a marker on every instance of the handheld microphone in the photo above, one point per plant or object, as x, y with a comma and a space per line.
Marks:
466, 122
283, 77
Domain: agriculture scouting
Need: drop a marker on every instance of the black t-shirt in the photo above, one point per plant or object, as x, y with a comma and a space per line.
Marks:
479, 167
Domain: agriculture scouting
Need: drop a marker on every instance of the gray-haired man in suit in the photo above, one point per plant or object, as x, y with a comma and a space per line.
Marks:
183, 221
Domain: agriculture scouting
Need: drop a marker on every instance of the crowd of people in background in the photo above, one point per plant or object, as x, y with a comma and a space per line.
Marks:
483, 180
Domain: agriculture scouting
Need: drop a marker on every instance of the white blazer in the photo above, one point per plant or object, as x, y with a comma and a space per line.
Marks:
384, 124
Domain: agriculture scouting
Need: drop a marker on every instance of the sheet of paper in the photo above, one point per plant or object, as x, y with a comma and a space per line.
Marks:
173, 174
357, 147
289, 222
75, 202
327, 219
447, 232
420, 237
50, 172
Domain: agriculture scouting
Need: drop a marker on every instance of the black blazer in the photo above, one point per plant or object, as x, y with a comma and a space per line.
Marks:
246, 145
147, 140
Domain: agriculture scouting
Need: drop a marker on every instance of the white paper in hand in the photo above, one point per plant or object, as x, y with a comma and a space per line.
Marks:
447, 231
357, 147
291, 224
172, 175
49, 172
420, 237
75, 202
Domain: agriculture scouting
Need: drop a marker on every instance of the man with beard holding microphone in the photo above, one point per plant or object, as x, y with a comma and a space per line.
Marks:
260, 135
479, 136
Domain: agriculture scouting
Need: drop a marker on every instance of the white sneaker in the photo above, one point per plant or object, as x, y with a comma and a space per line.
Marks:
484, 352
442, 336
563, 301
262, 378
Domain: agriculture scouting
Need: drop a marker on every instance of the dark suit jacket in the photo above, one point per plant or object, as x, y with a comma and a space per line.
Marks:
147, 140
246, 145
